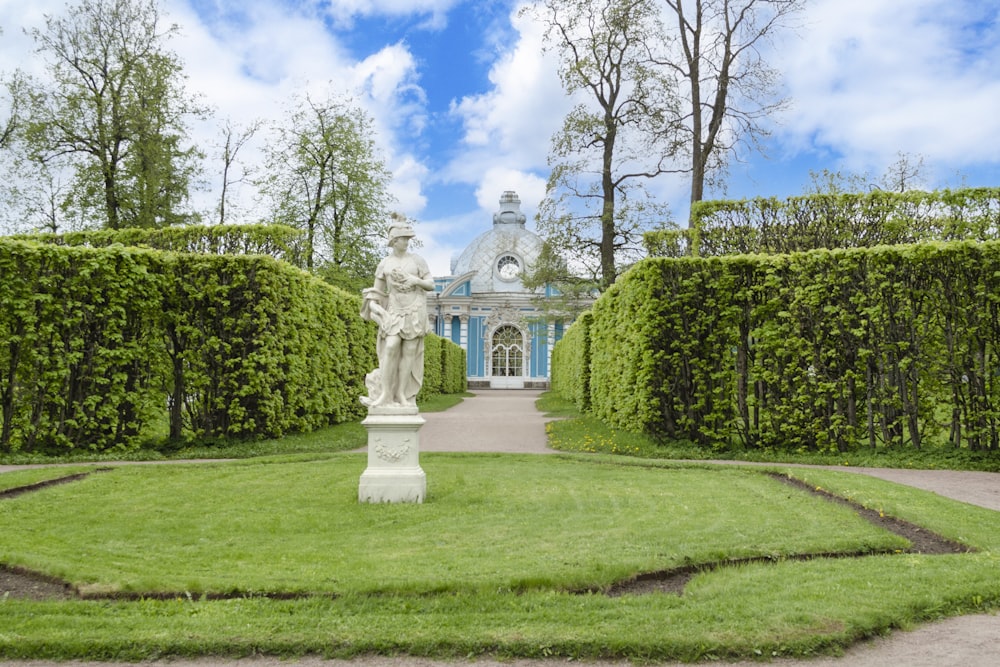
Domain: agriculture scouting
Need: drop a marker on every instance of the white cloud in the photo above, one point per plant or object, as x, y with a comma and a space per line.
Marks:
517, 117
444, 239
529, 187
15, 18
508, 128
254, 69
871, 78
344, 11
388, 83
409, 175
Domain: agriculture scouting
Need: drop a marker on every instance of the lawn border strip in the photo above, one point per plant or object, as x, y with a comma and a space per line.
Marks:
925, 541
674, 580
16, 491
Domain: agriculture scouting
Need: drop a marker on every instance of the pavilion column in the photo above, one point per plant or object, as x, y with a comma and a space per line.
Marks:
446, 323
551, 331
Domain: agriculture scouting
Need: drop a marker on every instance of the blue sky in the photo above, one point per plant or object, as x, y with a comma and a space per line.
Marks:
464, 101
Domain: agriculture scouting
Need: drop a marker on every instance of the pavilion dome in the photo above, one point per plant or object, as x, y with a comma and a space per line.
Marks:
499, 256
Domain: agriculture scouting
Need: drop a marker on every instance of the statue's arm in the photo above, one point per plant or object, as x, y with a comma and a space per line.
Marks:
380, 280
423, 278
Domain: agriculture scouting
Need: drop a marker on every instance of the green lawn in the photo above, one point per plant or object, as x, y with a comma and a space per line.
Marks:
489, 564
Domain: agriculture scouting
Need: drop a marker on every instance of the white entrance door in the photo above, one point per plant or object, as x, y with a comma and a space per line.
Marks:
507, 355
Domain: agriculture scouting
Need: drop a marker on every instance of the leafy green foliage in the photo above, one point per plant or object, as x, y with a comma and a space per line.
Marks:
80, 368
114, 113
893, 346
235, 346
278, 241
325, 177
259, 348
558, 292
433, 372
832, 220
571, 363
453, 364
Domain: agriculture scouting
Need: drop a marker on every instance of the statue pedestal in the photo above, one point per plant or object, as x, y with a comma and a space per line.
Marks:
394, 474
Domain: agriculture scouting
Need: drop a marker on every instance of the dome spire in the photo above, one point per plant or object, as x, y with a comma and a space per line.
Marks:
510, 210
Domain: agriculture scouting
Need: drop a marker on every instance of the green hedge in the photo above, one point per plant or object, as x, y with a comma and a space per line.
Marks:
278, 241
797, 224
571, 363
103, 343
825, 350
444, 368
81, 362
453, 363
100, 340
259, 348
433, 369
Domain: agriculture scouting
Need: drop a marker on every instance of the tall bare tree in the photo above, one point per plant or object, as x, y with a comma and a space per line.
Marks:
13, 102
234, 138
908, 172
729, 87
621, 134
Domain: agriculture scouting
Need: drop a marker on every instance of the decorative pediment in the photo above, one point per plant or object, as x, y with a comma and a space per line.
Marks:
506, 314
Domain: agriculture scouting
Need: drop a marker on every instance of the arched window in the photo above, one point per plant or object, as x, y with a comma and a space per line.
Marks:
508, 352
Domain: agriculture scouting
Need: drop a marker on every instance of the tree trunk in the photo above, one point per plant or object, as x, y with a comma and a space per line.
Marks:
608, 271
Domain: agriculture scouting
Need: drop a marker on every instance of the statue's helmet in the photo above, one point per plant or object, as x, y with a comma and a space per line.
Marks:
400, 229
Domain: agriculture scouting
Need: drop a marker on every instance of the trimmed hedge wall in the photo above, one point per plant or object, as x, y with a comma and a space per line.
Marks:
825, 350
432, 371
444, 368
259, 348
79, 366
804, 223
571, 363
278, 241
102, 342
453, 365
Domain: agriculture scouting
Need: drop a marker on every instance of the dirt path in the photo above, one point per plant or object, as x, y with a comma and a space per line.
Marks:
506, 421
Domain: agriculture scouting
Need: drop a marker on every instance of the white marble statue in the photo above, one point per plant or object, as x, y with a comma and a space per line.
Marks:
398, 304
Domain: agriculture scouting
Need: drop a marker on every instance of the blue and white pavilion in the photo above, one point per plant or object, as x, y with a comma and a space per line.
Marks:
484, 308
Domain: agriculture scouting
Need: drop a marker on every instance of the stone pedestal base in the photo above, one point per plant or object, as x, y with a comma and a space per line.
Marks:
394, 474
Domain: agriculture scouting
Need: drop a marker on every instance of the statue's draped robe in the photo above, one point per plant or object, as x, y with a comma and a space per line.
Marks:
405, 316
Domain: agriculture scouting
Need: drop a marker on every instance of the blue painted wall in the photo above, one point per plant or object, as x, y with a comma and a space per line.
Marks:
475, 358
539, 349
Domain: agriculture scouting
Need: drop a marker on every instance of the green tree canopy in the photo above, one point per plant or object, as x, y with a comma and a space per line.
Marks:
324, 175
112, 112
